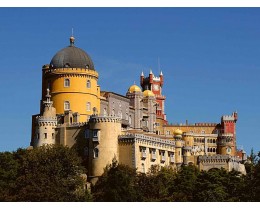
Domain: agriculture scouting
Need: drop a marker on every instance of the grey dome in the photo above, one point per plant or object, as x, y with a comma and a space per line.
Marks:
72, 57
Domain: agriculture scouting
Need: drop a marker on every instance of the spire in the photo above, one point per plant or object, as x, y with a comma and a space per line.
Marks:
48, 96
72, 39
48, 102
161, 73
142, 74
151, 72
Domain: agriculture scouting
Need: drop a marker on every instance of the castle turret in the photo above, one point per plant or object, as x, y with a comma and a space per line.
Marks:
149, 102
135, 95
154, 84
46, 124
178, 147
227, 137
72, 81
102, 137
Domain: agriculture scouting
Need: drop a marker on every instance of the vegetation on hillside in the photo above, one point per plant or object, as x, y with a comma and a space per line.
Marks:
54, 173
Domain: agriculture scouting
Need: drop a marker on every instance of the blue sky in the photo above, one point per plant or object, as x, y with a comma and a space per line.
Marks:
209, 57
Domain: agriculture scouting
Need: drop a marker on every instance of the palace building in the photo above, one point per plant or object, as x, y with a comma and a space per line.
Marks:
131, 128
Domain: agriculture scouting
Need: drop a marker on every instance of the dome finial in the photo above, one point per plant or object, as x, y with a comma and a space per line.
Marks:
72, 39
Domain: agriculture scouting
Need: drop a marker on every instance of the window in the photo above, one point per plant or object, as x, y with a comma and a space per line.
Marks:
105, 112
113, 112
163, 156
153, 151
66, 105
52, 135
66, 82
228, 150
143, 168
95, 133
96, 151
202, 131
130, 120
88, 84
168, 132
172, 158
143, 152
88, 106
45, 135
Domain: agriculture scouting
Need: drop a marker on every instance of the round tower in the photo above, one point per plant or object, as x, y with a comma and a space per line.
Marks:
178, 146
72, 80
135, 95
226, 145
103, 144
46, 124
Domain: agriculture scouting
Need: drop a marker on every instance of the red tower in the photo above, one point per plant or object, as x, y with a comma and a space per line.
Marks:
228, 130
155, 84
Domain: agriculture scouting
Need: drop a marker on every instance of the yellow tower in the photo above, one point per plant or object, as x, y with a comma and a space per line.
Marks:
178, 146
72, 80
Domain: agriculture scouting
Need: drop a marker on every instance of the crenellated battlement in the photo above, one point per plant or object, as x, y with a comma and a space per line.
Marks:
71, 71
145, 138
99, 119
217, 158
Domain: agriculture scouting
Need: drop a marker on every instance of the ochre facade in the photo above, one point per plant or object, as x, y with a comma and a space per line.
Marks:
132, 129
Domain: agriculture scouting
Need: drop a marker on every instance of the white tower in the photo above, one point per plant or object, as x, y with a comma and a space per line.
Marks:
45, 131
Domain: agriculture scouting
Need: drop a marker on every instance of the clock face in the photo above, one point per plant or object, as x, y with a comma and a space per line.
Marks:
156, 87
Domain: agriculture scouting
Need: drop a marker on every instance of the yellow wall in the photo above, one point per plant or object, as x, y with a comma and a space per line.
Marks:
195, 129
78, 94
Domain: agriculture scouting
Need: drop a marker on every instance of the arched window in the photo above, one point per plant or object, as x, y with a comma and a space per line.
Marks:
96, 151
130, 120
66, 82
88, 84
88, 106
228, 150
66, 105
113, 112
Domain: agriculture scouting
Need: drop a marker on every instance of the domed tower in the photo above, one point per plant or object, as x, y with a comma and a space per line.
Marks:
149, 101
46, 124
135, 95
178, 146
72, 80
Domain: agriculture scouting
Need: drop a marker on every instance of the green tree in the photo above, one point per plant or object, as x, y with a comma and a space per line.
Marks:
184, 184
8, 174
49, 173
117, 184
155, 185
